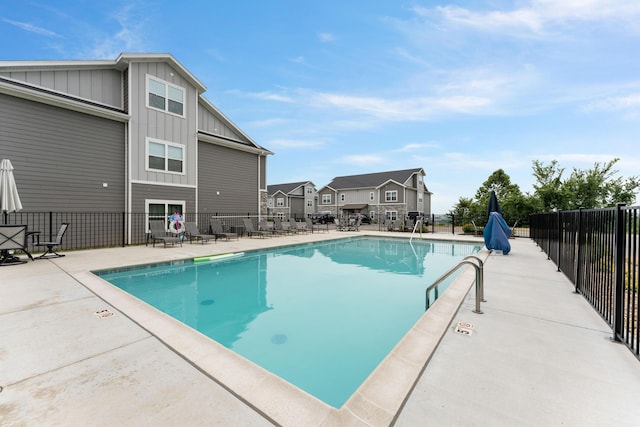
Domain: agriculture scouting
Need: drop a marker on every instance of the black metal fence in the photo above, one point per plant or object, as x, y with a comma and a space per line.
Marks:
92, 230
598, 250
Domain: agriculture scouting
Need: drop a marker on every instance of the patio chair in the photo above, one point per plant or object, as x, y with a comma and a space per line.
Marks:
293, 226
279, 228
354, 225
264, 226
251, 231
311, 226
13, 237
216, 229
158, 232
50, 253
340, 225
194, 233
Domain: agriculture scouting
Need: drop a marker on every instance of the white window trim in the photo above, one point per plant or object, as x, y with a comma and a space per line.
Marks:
280, 202
342, 197
387, 214
328, 199
371, 196
166, 204
166, 96
166, 143
389, 193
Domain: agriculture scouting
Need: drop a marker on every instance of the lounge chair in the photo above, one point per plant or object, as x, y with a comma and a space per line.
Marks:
251, 231
216, 229
263, 225
159, 233
50, 253
293, 226
340, 225
194, 233
311, 226
354, 225
13, 237
277, 226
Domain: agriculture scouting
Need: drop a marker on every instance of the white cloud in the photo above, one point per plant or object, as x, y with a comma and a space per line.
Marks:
615, 103
326, 37
129, 38
293, 143
538, 17
363, 159
32, 28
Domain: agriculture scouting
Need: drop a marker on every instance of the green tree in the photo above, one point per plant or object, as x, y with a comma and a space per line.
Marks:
592, 188
515, 206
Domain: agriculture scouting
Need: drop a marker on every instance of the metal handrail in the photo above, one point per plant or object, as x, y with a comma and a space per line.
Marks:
479, 281
418, 221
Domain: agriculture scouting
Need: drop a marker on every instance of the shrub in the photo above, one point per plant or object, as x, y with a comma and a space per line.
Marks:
468, 228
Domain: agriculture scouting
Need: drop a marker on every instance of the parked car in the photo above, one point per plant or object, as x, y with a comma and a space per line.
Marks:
322, 218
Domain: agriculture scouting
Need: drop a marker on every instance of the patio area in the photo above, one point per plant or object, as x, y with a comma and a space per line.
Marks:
539, 355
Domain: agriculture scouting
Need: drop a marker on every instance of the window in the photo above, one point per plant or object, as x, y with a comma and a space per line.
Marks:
280, 216
270, 203
420, 198
391, 196
342, 197
309, 190
392, 215
280, 202
162, 209
165, 96
309, 203
326, 199
165, 156
371, 196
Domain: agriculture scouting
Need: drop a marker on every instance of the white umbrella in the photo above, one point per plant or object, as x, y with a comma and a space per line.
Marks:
9, 198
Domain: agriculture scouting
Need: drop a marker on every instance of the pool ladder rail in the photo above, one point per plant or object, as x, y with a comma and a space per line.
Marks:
478, 265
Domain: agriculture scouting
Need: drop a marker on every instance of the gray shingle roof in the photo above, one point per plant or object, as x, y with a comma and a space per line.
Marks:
285, 188
371, 179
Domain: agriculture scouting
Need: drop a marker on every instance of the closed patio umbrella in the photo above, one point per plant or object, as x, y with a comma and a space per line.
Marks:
493, 205
9, 198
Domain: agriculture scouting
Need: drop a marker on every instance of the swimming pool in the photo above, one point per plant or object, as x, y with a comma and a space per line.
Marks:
322, 315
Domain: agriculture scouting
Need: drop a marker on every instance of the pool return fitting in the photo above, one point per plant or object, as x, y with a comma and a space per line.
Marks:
469, 260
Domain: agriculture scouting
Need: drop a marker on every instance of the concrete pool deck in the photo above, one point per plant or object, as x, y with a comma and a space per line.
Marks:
539, 355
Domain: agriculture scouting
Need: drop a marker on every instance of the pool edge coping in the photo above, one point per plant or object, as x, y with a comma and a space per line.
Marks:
378, 400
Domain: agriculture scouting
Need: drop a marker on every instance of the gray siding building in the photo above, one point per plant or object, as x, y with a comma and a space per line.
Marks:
391, 195
134, 135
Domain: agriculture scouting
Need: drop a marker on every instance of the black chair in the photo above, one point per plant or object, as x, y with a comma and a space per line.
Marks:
50, 253
12, 237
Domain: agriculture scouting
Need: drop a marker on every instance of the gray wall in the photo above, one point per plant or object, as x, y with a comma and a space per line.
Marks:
231, 173
103, 86
62, 157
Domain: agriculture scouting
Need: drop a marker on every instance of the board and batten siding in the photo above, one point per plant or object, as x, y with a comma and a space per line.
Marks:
63, 157
143, 192
165, 127
391, 186
103, 86
227, 180
208, 122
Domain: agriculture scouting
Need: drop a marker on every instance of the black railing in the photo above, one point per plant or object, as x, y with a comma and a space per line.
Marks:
598, 250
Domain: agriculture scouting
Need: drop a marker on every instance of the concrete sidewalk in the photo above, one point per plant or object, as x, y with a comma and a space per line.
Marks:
539, 355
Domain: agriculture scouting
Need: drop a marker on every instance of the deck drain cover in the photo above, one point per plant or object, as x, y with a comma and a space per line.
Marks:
464, 328
103, 314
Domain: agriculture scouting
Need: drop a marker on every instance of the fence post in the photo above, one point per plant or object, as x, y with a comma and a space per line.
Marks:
559, 230
618, 319
124, 228
453, 224
578, 268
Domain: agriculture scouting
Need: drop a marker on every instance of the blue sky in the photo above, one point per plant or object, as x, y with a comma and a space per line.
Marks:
459, 88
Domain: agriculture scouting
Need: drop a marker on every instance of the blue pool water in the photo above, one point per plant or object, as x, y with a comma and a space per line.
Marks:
322, 316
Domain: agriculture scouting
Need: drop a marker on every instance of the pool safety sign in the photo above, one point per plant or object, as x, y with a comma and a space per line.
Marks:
464, 328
